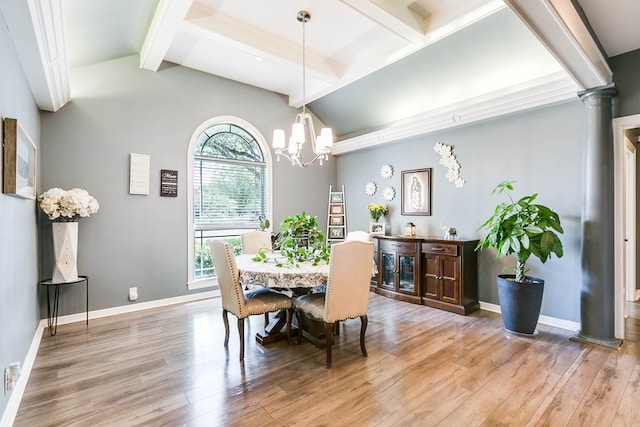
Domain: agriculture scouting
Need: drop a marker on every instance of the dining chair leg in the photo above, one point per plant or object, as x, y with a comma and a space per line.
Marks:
328, 332
288, 327
225, 319
363, 328
241, 334
299, 320
266, 320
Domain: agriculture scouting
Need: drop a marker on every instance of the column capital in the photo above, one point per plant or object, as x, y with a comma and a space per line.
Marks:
609, 90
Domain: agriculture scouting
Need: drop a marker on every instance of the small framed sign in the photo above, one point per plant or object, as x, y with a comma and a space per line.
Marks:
168, 183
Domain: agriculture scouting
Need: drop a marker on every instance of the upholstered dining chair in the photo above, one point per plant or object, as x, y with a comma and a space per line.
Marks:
359, 235
239, 303
253, 241
347, 294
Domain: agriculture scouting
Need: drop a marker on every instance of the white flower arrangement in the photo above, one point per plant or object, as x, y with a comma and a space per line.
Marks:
448, 160
67, 205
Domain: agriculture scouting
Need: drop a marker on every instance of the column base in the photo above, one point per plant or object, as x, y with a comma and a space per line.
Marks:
613, 343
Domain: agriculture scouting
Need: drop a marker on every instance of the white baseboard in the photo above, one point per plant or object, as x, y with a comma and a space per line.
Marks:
545, 320
11, 410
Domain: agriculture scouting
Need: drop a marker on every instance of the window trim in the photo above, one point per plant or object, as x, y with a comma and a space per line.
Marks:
192, 282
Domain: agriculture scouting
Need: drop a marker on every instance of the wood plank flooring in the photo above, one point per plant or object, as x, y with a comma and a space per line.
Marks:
426, 367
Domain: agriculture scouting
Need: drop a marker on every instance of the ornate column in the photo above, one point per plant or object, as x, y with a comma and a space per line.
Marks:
597, 302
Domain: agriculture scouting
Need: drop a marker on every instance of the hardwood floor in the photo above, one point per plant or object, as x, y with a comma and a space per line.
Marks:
426, 367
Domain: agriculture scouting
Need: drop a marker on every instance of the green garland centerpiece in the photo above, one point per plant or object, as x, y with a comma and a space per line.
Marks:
299, 240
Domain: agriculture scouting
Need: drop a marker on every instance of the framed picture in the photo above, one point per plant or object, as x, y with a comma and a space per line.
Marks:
19, 161
336, 232
416, 192
336, 198
336, 209
376, 228
168, 183
336, 220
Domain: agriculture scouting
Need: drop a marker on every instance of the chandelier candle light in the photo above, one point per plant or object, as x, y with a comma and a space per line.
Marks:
321, 144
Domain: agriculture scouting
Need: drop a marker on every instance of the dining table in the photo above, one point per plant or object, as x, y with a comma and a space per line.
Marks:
276, 273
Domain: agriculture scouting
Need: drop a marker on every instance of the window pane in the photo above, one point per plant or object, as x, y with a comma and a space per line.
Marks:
229, 189
228, 194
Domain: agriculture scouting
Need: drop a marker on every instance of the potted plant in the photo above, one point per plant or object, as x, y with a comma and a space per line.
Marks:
521, 228
300, 240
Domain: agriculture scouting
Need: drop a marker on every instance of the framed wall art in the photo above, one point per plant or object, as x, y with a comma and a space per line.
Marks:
336, 198
416, 192
19, 161
336, 232
336, 210
336, 220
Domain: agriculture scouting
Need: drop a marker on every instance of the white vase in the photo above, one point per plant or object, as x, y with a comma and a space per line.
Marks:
65, 251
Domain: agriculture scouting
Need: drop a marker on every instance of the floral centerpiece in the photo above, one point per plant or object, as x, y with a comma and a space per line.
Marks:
65, 208
376, 211
67, 205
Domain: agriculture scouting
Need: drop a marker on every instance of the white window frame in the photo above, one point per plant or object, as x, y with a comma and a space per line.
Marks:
192, 281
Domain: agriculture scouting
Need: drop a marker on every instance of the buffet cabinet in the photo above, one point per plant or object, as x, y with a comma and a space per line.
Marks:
434, 272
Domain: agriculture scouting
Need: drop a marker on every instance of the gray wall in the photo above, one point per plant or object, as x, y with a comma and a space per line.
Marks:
625, 74
541, 150
19, 314
118, 109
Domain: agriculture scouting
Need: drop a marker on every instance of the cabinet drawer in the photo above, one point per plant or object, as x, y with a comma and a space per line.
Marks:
440, 249
391, 246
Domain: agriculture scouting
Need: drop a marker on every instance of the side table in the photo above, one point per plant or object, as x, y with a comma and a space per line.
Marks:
52, 309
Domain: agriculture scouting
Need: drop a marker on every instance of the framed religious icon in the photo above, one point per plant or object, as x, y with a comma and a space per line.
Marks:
416, 192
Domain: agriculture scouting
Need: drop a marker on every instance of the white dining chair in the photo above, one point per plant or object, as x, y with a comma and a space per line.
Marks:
254, 241
347, 294
239, 303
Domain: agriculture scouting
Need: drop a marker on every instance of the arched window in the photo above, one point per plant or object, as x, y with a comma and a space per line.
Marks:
229, 186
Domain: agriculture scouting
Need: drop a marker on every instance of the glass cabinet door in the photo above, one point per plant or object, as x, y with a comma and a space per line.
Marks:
388, 270
406, 273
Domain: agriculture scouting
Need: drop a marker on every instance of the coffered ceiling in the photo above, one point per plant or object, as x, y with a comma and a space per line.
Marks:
372, 66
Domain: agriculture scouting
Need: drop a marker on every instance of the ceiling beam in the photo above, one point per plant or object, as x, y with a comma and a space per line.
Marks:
167, 19
558, 25
36, 29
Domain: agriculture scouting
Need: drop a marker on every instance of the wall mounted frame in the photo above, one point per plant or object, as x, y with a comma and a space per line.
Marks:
416, 192
19, 161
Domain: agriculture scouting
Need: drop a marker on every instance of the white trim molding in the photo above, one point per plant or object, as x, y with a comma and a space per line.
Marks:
552, 89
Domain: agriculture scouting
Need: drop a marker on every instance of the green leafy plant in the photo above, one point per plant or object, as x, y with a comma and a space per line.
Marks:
522, 228
264, 223
299, 240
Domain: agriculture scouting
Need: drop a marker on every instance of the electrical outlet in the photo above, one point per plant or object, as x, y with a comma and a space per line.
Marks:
11, 375
133, 294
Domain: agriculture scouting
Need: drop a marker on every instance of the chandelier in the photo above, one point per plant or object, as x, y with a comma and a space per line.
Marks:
321, 144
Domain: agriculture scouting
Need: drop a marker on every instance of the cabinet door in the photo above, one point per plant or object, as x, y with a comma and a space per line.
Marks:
431, 276
450, 275
388, 270
406, 273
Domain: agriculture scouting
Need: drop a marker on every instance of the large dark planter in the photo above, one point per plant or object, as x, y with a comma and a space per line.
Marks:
520, 303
